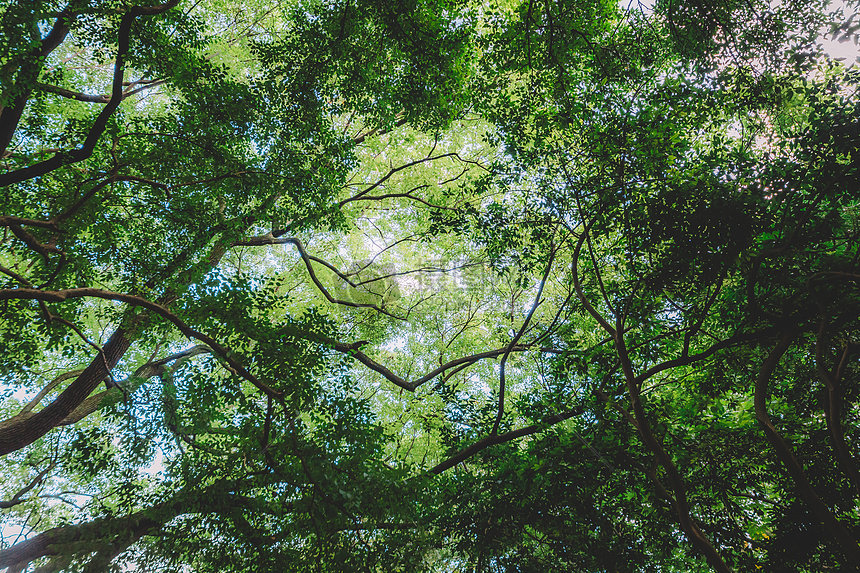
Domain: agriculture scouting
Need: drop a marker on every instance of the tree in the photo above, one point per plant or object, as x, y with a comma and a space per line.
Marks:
440, 286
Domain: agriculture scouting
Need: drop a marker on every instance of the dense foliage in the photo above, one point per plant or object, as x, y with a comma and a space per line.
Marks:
428, 285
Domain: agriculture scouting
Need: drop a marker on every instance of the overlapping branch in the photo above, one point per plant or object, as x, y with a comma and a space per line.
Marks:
18, 433
273, 239
30, 68
115, 394
86, 149
59, 296
676, 481
109, 536
412, 386
783, 450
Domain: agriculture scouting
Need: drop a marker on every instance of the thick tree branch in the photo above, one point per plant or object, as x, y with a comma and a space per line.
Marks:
66, 93
114, 395
31, 67
616, 332
59, 296
16, 433
111, 533
98, 127
7, 220
46, 250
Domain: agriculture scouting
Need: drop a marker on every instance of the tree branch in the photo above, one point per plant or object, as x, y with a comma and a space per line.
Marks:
394, 170
66, 93
114, 395
31, 67
16, 499
352, 350
360, 138
580, 293
783, 451
833, 408
16, 433
501, 405
48, 387
59, 296
272, 239
494, 439
688, 525
119, 532
86, 150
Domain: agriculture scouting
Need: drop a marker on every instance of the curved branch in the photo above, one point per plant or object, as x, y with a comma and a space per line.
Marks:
43, 249
17, 277
272, 239
59, 296
501, 406
98, 127
405, 196
494, 439
707, 353
682, 507
352, 350
8, 220
48, 387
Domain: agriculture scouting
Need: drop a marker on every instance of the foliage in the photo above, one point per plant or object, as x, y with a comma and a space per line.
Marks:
428, 285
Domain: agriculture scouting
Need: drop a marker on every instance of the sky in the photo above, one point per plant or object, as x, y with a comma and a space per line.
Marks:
846, 51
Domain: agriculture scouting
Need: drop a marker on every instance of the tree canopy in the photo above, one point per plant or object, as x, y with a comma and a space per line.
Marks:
429, 285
